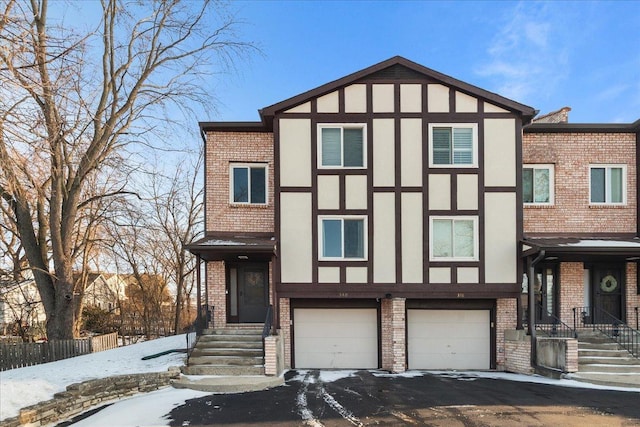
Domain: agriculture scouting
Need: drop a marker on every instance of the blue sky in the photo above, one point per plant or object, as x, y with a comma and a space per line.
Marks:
547, 55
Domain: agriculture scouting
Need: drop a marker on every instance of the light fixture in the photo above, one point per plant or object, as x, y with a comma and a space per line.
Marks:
633, 258
243, 257
551, 258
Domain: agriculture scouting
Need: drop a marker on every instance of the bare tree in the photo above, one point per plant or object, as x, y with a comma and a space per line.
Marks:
71, 102
178, 209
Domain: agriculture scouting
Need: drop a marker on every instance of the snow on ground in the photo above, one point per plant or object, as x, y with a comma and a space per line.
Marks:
26, 386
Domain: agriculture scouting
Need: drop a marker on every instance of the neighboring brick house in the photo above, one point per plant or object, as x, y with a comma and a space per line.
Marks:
378, 214
580, 186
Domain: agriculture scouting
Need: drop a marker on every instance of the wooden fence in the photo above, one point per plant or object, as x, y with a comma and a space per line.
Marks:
27, 354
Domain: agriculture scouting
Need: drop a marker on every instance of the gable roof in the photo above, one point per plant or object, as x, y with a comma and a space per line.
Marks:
393, 68
398, 67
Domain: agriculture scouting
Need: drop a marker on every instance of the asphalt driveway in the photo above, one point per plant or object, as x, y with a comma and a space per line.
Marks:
325, 398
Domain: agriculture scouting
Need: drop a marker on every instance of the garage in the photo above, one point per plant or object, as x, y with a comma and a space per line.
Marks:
341, 338
449, 339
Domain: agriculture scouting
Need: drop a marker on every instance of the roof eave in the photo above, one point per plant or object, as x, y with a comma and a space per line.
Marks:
269, 112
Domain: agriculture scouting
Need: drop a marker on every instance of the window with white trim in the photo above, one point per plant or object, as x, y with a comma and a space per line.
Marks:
453, 145
248, 184
341, 146
342, 237
537, 184
453, 238
607, 184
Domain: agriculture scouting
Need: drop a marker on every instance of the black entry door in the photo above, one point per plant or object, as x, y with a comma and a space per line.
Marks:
608, 286
253, 291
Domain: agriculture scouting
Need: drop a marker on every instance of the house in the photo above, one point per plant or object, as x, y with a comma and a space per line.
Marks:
379, 215
581, 228
20, 306
105, 291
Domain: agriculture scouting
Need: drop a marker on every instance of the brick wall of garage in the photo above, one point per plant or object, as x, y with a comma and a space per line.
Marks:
393, 334
506, 318
285, 327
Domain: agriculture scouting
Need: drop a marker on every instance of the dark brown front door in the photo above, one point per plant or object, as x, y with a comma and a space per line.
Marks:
608, 287
247, 293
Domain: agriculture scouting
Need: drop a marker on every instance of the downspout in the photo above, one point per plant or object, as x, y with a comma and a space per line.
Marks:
532, 306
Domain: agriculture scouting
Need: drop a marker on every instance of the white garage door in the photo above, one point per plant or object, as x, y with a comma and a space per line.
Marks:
335, 338
449, 339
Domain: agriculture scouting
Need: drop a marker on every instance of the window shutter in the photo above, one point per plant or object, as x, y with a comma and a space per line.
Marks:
331, 151
463, 146
441, 146
353, 153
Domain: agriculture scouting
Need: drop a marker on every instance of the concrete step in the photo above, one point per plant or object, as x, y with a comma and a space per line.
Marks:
615, 360
607, 368
230, 337
229, 344
596, 352
225, 360
231, 330
228, 384
222, 370
243, 352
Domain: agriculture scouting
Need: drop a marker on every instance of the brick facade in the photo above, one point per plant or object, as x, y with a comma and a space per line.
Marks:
394, 333
571, 290
572, 153
285, 327
506, 317
518, 356
223, 149
216, 289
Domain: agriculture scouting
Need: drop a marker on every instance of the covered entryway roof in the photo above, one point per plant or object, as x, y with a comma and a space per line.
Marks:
568, 248
229, 247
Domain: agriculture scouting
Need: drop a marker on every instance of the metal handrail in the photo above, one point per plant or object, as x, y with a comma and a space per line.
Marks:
637, 324
557, 328
268, 322
609, 325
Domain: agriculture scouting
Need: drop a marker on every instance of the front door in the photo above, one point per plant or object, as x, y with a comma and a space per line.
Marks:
546, 292
607, 287
248, 293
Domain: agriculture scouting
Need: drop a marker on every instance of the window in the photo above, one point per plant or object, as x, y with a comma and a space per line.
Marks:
249, 184
453, 145
341, 146
342, 237
537, 184
454, 239
607, 184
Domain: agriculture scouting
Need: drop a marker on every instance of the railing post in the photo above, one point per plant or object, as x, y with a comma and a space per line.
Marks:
575, 326
637, 325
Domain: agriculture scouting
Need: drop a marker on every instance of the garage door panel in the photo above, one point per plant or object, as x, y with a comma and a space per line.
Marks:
336, 338
449, 339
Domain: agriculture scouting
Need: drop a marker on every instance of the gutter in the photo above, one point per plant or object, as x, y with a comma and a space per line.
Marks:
532, 307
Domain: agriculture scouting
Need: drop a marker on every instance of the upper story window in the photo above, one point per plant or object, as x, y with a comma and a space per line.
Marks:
248, 184
342, 237
454, 238
453, 145
607, 184
342, 146
537, 184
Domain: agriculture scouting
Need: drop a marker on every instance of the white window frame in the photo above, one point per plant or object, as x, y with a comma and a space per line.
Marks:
474, 151
607, 184
342, 126
233, 166
552, 183
476, 238
342, 217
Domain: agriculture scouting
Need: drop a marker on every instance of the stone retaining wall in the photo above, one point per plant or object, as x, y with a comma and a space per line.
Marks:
81, 397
